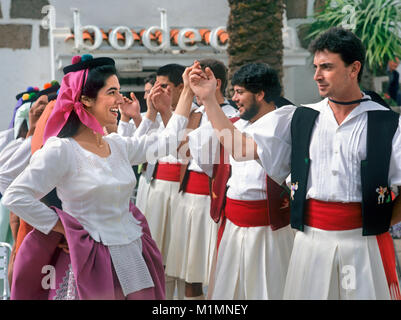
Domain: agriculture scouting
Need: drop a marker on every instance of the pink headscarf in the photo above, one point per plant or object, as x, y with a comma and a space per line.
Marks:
68, 100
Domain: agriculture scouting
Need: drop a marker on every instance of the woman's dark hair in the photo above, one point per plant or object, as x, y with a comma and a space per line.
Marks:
257, 77
95, 81
343, 42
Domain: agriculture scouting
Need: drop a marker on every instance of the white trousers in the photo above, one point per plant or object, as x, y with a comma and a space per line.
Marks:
335, 265
193, 239
251, 263
158, 211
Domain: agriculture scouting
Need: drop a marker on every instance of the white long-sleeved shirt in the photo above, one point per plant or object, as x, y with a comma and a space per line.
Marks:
248, 178
6, 136
335, 150
205, 124
93, 189
12, 166
128, 129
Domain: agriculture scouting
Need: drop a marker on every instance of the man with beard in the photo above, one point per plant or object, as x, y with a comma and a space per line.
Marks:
253, 247
343, 155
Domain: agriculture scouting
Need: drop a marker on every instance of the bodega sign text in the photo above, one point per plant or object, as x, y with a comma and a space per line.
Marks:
184, 43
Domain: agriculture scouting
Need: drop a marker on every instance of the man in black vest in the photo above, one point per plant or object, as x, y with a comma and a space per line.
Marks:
342, 154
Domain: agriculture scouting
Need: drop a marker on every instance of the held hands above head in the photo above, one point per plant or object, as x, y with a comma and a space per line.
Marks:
35, 112
202, 82
184, 103
131, 109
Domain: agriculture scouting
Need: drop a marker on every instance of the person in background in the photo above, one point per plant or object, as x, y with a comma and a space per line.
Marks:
394, 80
194, 233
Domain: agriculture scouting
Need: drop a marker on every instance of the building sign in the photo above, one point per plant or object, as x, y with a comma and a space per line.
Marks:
187, 38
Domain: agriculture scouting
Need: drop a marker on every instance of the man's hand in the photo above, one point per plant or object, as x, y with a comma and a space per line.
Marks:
161, 98
35, 112
202, 82
185, 77
130, 108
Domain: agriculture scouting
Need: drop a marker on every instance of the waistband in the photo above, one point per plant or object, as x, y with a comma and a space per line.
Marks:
244, 213
197, 183
168, 171
333, 216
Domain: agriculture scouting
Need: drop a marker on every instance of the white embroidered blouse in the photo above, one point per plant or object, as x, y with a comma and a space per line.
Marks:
93, 189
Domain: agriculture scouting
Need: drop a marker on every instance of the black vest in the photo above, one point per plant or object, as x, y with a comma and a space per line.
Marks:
376, 215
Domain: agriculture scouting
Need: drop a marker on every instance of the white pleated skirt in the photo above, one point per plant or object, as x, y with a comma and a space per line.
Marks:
251, 263
158, 211
193, 239
142, 193
335, 265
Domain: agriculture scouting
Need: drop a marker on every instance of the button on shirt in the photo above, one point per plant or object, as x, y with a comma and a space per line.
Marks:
335, 150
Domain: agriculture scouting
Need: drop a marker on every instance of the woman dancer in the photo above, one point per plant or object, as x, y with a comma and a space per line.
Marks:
111, 253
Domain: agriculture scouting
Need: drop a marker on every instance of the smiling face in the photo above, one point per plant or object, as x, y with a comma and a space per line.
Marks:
333, 77
246, 102
105, 107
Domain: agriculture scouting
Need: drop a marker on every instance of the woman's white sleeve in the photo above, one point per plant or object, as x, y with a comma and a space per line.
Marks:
146, 126
45, 171
126, 129
156, 143
15, 164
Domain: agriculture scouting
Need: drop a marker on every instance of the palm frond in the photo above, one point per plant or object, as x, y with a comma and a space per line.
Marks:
376, 22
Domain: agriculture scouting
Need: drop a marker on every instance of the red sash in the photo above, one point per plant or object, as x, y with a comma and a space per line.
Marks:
247, 213
277, 198
244, 214
198, 183
333, 216
168, 171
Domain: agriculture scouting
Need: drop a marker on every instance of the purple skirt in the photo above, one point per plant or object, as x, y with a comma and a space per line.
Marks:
43, 271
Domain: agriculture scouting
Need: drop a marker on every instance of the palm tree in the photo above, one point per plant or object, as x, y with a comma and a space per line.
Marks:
375, 22
255, 33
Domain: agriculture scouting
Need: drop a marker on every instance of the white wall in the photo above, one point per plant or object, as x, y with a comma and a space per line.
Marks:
22, 68
141, 13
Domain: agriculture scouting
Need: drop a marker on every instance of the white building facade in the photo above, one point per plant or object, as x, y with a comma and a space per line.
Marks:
39, 37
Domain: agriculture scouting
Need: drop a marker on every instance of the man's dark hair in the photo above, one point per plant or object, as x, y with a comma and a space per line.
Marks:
256, 77
95, 81
343, 42
173, 72
150, 79
219, 70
